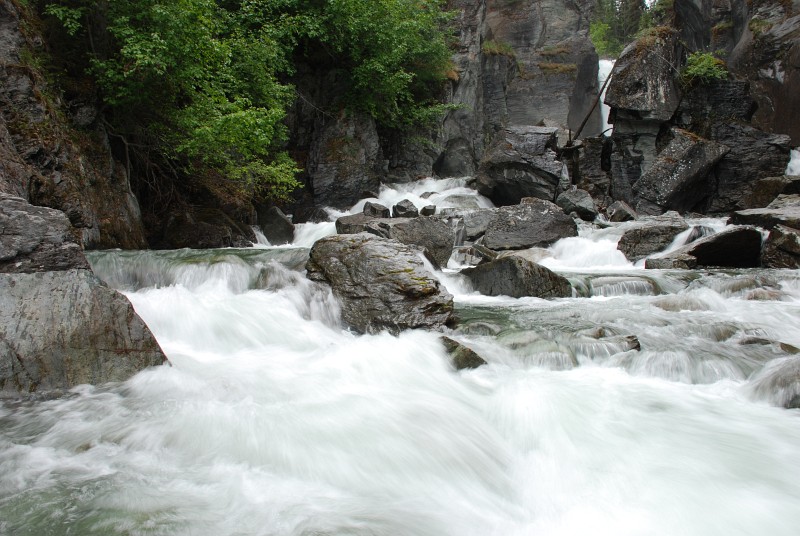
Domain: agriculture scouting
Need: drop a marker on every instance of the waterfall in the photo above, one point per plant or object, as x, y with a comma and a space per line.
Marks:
793, 168
603, 72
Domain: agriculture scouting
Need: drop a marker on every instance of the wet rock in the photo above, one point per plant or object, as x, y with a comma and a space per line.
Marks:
782, 248
427, 210
475, 220
535, 223
579, 202
520, 162
737, 247
434, 235
405, 209
517, 277
675, 261
678, 178
462, 357
381, 284
768, 218
650, 235
61, 329
620, 211
204, 228
778, 383
36, 239
698, 232
376, 210
275, 225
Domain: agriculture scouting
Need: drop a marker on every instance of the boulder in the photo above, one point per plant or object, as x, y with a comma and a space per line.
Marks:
678, 179
427, 210
461, 356
521, 162
782, 248
36, 239
644, 81
517, 277
650, 235
405, 209
61, 329
352, 224
778, 382
579, 202
381, 283
376, 210
620, 211
537, 223
737, 247
434, 235
475, 220
275, 225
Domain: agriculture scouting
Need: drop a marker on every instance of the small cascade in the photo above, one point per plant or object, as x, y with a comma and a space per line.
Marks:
793, 168
603, 72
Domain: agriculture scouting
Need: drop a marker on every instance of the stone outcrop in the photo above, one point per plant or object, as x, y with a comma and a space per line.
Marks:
769, 217
650, 235
64, 328
381, 284
521, 162
737, 247
204, 227
36, 239
517, 277
536, 223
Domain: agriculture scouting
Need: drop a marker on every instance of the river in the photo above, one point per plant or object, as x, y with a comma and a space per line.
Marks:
275, 420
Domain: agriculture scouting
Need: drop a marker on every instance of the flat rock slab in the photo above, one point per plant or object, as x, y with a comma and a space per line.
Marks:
66, 328
382, 284
768, 217
537, 223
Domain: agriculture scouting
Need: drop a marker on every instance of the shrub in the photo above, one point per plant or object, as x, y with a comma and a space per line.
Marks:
703, 67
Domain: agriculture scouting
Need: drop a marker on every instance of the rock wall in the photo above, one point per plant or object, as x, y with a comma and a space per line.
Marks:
55, 153
703, 145
518, 63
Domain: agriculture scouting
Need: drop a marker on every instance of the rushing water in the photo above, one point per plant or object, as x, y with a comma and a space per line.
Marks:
274, 420
793, 167
603, 72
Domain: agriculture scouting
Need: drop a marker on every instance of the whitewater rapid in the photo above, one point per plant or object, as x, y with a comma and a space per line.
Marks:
274, 419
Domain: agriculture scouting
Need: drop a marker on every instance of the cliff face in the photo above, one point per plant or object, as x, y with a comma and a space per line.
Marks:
52, 155
517, 63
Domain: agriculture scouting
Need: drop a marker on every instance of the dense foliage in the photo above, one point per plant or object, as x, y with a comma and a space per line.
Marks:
703, 67
617, 22
204, 82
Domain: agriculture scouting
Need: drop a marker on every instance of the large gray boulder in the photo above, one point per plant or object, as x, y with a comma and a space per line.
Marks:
520, 162
381, 283
434, 235
677, 180
65, 328
649, 235
475, 220
536, 223
36, 239
517, 277
737, 247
